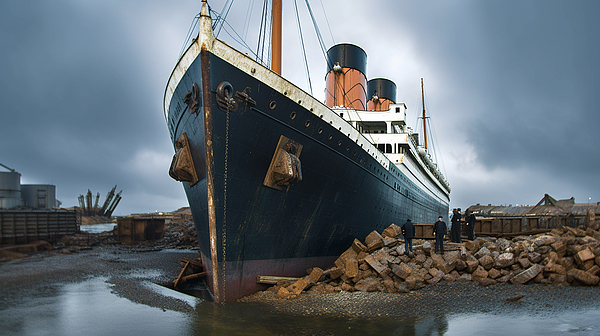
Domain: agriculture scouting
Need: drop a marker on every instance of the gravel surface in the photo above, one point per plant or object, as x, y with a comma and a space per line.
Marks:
441, 299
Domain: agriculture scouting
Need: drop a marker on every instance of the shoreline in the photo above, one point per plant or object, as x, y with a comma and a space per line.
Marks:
128, 268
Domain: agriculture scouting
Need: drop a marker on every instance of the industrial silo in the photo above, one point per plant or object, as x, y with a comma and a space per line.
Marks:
10, 189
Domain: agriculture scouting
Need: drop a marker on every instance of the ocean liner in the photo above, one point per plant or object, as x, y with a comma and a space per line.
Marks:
278, 181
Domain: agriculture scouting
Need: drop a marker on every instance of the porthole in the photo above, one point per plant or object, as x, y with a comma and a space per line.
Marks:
299, 101
340, 143
272, 105
330, 136
347, 148
307, 123
320, 130
293, 115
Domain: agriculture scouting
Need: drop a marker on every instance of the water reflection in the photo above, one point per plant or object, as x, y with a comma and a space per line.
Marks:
91, 308
97, 228
88, 308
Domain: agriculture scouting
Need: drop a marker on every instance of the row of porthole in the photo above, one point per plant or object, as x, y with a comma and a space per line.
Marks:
320, 130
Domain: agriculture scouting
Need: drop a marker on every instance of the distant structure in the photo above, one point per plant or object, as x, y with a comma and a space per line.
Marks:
14, 195
28, 212
110, 203
547, 214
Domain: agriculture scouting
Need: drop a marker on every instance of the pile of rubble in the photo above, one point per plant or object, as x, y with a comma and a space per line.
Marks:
566, 256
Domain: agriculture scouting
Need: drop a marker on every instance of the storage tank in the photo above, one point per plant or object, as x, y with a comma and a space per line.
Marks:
10, 190
381, 92
346, 82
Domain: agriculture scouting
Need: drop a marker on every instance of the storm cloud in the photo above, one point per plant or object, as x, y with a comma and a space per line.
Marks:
511, 89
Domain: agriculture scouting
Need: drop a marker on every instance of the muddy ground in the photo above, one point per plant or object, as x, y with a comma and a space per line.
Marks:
128, 267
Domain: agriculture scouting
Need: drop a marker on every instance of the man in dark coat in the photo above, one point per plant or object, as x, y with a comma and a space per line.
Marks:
455, 230
439, 231
408, 231
470, 222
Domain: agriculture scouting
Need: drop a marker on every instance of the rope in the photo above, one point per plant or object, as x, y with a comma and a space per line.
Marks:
189, 35
303, 49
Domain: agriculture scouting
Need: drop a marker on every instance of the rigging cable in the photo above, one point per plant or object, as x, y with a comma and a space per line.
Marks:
326, 20
189, 35
221, 20
247, 20
303, 49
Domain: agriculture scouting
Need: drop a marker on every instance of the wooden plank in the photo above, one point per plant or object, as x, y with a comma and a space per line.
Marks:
272, 280
178, 280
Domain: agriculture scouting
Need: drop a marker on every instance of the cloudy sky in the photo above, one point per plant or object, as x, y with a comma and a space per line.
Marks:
511, 89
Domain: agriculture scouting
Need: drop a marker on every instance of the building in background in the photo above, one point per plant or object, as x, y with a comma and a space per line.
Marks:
15, 195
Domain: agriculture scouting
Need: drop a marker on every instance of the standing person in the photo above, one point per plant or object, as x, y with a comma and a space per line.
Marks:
453, 226
470, 222
408, 231
439, 231
455, 230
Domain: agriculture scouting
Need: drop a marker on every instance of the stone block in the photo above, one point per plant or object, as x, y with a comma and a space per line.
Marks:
560, 248
583, 256
527, 275
487, 282
298, 286
534, 257
525, 263
335, 272
472, 265
381, 256
597, 260
482, 252
557, 279
472, 246
588, 264
347, 287
465, 278
555, 268
486, 261
376, 265
389, 242
420, 258
594, 270
479, 274
437, 259
567, 262
315, 274
402, 270
358, 246
283, 293
375, 245
348, 254
361, 256
505, 260
436, 278
505, 278
400, 249
494, 273
372, 237
389, 285
351, 268
367, 285
392, 231
460, 265
584, 277
447, 267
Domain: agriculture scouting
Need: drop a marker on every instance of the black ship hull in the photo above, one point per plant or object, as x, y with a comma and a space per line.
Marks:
247, 229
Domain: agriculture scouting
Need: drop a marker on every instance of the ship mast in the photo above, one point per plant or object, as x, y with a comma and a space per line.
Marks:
276, 37
424, 120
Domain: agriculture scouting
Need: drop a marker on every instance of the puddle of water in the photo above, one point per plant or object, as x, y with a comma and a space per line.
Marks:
97, 228
88, 308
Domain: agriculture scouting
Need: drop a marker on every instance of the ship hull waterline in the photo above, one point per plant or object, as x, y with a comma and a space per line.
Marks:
251, 229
